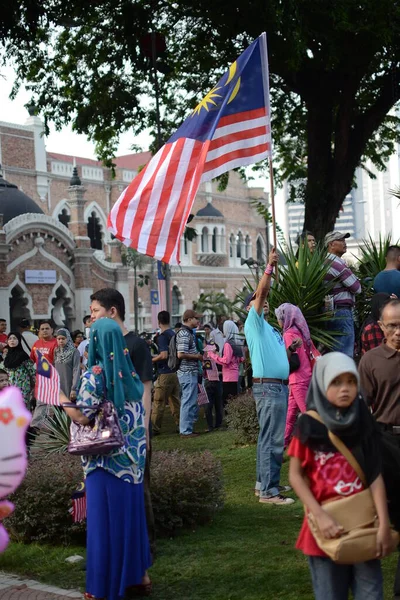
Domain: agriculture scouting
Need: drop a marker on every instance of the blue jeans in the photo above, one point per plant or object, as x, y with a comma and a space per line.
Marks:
271, 405
189, 408
344, 323
333, 582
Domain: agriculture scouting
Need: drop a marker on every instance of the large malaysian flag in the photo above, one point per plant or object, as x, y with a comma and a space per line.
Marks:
229, 128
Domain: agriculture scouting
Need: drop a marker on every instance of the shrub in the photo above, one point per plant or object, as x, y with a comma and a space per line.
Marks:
186, 491
242, 419
43, 500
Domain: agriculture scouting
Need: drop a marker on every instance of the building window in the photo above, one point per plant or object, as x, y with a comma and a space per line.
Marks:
64, 217
93, 173
94, 232
231, 245
260, 250
239, 242
247, 247
214, 239
176, 313
204, 240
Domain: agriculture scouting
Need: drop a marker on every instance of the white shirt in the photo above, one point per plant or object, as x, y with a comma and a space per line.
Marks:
30, 338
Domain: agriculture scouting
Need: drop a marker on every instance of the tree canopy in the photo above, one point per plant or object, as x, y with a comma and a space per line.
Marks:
334, 69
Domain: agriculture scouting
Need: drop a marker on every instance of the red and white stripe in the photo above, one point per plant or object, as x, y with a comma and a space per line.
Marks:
78, 510
47, 389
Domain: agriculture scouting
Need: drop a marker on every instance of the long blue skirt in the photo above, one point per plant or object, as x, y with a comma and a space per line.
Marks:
118, 550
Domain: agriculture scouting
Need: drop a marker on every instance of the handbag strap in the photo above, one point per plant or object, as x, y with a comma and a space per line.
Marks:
339, 445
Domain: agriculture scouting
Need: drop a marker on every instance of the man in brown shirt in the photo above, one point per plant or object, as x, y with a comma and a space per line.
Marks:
380, 381
380, 371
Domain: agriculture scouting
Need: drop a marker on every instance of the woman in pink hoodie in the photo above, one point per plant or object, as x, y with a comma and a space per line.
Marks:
232, 356
294, 325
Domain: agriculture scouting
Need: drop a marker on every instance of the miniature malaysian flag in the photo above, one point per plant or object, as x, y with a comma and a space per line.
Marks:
78, 509
47, 388
229, 128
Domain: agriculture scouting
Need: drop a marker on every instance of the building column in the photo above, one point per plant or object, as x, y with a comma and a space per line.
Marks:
83, 253
42, 182
122, 285
4, 294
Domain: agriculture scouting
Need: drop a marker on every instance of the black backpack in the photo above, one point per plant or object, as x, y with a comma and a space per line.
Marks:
173, 360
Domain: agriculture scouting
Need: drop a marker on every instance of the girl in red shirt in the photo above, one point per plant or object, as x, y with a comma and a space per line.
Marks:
318, 472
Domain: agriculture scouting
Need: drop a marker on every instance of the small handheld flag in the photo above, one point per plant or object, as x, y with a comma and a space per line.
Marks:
47, 389
229, 128
78, 508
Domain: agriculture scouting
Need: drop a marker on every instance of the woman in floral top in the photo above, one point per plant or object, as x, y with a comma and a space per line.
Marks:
118, 551
21, 370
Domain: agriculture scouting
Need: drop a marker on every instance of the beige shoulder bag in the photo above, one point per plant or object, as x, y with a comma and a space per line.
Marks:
356, 514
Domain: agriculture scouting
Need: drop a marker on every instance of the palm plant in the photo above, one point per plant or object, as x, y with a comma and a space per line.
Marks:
214, 304
54, 434
301, 282
371, 262
373, 257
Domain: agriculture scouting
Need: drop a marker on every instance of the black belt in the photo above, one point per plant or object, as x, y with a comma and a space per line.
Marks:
270, 380
394, 429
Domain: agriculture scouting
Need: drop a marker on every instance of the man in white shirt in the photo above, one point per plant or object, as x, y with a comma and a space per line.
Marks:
28, 338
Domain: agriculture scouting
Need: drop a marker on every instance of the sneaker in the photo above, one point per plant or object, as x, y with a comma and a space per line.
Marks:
257, 492
189, 435
284, 488
278, 500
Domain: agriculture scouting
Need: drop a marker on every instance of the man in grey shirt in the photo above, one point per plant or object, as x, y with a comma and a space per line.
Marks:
188, 372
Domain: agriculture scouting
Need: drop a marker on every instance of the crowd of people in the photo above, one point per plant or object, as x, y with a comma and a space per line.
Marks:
187, 362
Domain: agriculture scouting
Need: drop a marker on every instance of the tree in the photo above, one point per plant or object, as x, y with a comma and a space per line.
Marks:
215, 304
334, 74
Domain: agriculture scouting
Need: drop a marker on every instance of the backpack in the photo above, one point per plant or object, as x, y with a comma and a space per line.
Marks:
173, 360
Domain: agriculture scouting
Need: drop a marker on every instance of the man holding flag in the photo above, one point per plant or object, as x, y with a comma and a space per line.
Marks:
229, 128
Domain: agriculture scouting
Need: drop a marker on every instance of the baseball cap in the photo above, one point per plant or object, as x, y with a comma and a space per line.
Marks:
191, 314
249, 298
335, 235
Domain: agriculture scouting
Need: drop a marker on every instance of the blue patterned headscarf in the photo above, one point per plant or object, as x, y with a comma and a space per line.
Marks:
107, 349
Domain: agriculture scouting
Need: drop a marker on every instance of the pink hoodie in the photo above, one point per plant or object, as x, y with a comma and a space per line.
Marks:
230, 363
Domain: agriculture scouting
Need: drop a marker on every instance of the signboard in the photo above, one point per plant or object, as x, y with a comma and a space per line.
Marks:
35, 276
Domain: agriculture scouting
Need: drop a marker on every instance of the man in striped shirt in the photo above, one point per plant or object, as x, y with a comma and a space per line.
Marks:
344, 290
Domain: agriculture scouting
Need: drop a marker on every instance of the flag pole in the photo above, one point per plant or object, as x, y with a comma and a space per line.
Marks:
264, 59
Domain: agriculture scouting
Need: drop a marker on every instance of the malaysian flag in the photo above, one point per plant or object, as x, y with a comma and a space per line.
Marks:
47, 388
78, 509
155, 308
229, 128
162, 287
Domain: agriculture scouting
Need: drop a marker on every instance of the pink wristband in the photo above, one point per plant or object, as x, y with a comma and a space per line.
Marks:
269, 270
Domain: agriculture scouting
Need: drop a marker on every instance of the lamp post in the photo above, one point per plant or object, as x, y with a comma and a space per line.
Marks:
153, 45
251, 262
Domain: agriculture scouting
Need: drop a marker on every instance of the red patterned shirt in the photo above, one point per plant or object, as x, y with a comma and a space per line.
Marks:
330, 476
371, 337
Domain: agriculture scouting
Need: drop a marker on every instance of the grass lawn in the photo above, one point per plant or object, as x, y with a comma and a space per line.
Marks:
246, 553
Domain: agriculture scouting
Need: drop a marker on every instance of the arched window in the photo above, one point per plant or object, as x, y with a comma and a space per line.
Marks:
94, 232
64, 217
176, 312
185, 246
214, 239
247, 247
231, 245
260, 250
239, 242
204, 240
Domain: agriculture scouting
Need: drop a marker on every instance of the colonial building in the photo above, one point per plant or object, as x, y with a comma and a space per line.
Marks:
55, 249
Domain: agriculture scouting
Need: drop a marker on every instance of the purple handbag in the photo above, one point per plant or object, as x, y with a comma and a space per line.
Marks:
101, 436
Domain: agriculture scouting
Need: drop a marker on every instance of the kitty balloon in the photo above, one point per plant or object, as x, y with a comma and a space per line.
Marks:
14, 422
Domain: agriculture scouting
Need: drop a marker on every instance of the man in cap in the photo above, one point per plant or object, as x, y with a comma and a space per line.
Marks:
188, 372
344, 290
269, 360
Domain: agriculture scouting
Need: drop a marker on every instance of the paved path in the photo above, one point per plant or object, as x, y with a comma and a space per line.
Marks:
17, 588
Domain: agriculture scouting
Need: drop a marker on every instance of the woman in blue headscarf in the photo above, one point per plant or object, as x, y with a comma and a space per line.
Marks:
118, 552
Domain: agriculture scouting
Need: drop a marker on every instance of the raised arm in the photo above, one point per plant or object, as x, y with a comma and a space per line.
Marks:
264, 284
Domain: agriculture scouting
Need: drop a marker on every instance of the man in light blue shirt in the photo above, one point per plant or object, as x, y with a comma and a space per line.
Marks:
388, 280
270, 364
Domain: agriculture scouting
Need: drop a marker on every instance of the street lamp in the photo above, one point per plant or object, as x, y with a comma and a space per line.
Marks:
251, 262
